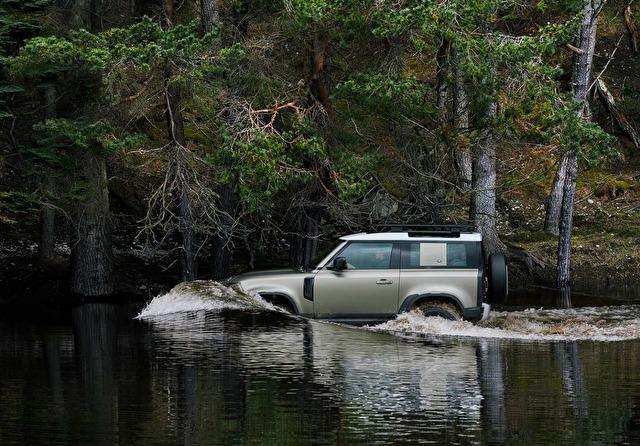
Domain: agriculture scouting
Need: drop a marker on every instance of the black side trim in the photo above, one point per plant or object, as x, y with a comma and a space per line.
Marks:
473, 314
480, 286
307, 291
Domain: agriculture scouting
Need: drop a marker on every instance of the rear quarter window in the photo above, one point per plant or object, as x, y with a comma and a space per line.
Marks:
441, 255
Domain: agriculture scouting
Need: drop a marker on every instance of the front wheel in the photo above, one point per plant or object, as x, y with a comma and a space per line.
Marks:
443, 309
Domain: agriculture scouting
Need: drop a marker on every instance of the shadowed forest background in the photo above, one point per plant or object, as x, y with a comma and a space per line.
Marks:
147, 142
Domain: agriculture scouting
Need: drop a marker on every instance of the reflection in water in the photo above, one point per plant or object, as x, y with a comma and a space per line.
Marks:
243, 378
492, 384
570, 367
94, 327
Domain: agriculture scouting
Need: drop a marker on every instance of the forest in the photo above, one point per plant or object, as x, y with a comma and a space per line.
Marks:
186, 139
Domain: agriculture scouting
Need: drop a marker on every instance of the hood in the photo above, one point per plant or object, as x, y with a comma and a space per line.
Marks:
266, 274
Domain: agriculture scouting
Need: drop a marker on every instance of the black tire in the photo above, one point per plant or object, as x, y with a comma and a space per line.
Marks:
444, 310
498, 278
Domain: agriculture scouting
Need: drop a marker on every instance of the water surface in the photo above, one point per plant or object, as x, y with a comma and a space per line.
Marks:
99, 376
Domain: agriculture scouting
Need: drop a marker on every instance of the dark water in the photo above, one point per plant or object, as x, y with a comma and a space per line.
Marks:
99, 377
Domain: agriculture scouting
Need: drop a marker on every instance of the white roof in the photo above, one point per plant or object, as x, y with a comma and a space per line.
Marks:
399, 236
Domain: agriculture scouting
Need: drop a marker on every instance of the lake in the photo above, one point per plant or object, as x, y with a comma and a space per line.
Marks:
96, 375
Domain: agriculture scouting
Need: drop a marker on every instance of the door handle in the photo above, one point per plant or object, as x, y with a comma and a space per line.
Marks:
384, 282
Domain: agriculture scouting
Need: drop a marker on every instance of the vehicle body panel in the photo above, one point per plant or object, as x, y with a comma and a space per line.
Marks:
289, 283
356, 293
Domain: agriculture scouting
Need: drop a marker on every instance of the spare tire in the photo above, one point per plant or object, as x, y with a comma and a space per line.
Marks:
498, 278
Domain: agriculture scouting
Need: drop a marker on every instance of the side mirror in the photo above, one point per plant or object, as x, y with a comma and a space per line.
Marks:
339, 263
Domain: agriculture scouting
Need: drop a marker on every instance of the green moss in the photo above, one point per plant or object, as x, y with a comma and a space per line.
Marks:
606, 184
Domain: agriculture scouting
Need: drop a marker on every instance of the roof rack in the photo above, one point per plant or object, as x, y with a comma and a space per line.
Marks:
422, 230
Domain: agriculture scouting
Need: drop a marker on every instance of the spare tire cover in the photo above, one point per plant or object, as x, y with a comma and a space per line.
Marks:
498, 278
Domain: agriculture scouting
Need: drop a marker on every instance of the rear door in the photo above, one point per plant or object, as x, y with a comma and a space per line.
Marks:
367, 289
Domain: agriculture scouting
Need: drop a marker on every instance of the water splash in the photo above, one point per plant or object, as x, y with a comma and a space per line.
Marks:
208, 296
615, 323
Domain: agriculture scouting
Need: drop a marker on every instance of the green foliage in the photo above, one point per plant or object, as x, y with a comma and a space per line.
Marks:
14, 205
58, 138
387, 95
19, 20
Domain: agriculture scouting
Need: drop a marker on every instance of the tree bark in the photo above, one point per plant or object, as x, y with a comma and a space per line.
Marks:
319, 83
221, 252
442, 87
581, 77
91, 254
181, 173
304, 242
80, 14
463, 159
210, 10
180, 163
554, 200
394, 52
46, 245
566, 222
483, 206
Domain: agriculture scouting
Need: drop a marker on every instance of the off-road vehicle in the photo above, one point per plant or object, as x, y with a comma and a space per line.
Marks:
373, 276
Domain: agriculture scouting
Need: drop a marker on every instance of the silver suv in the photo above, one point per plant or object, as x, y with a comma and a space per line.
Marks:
371, 277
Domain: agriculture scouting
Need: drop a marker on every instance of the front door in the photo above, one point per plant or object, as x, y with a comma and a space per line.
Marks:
368, 288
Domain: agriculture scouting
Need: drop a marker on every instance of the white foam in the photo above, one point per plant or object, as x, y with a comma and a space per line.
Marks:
202, 296
596, 324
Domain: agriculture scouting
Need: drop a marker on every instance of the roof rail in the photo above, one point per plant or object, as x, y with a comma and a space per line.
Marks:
422, 230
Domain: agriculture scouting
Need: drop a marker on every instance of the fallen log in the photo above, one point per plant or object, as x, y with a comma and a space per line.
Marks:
619, 118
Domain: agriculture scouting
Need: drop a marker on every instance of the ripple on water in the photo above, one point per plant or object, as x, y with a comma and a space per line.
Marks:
614, 323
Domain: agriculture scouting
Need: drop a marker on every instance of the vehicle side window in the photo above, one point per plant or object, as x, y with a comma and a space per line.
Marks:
368, 255
447, 255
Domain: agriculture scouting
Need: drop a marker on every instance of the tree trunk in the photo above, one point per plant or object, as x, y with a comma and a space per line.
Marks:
580, 80
442, 87
319, 84
181, 173
46, 245
554, 201
566, 222
81, 14
91, 255
221, 252
210, 10
463, 159
241, 18
483, 206
304, 242
581, 76
394, 53
180, 164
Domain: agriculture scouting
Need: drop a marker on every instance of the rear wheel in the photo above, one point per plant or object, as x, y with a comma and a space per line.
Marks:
498, 278
443, 309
